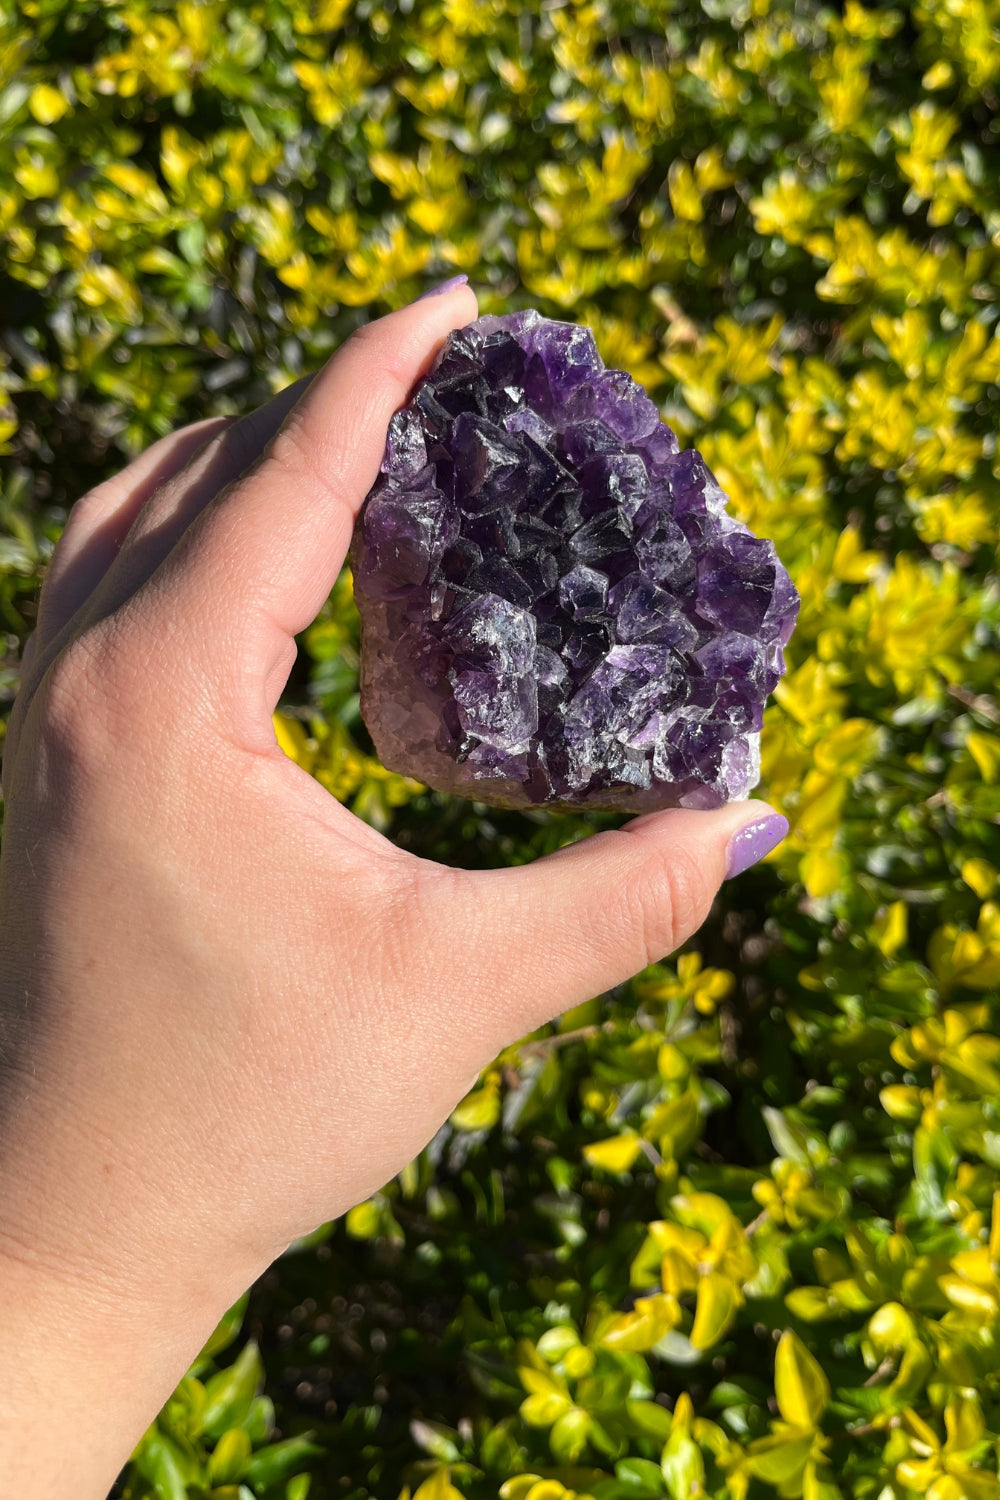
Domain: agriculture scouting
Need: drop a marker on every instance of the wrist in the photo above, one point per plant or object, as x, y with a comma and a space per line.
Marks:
103, 1304
81, 1382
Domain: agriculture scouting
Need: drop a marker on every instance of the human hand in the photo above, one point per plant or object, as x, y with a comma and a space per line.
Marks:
228, 1009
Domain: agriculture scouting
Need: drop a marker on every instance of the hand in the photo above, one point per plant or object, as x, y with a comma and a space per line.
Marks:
228, 1009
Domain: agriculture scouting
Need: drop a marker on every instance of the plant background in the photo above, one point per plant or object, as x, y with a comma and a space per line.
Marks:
732, 1230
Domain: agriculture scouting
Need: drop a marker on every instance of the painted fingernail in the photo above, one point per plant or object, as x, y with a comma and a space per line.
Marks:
751, 844
444, 286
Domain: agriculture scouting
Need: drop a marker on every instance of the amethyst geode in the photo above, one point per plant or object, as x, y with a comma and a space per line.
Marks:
556, 608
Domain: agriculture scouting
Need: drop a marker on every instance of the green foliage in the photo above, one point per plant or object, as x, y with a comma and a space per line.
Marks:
212, 1435
733, 1230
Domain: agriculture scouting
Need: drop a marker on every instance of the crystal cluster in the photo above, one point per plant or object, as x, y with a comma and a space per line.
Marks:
557, 609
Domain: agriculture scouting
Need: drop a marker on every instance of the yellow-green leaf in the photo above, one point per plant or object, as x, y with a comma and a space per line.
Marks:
568, 1437
812, 1303
818, 1484
47, 103
540, 1381
364, 1219
479, 1110
645, 1325
963, 1420
891, 1328
889, 929
683, 1466
438, 1487
230, 1458
985, 751
617, 1154
719, 1299
823, 872
780, 1458
901, 1101
980, 875
801, 1388
542, 1410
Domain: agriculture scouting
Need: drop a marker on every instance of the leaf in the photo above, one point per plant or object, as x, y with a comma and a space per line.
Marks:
850, 563
685, 199
823, 871
891, 1328
227, 1464
227, 1329
901, 1101
964, 1424
280, 1461
985, 751
789, 1141
617, 1154
643, 1477
364, 1220
540, 1381
438, 1487
677, 1123
889, 929
568, 1437
644, 1326
719, 1300
980, 876
557, 1342
259, 1423
229, 1394
181, 1416
780, 1458
437, 1440
813, 1304
159, 1461
800, 1387
683, 1466
518, 1487
479, 1110
542, 1410
819, 1484
47, 104
650, 1418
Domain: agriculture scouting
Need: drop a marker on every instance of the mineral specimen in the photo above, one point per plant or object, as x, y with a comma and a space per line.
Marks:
557, 609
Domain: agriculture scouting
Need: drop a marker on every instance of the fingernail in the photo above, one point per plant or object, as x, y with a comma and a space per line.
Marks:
751, 844
444, 286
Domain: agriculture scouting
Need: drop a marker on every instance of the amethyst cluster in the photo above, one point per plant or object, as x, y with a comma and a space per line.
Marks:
556, 608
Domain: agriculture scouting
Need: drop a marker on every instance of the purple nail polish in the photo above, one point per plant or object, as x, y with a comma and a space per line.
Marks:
444, 286
751, 843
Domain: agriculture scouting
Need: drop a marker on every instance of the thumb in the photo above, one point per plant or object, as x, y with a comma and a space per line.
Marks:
541, 938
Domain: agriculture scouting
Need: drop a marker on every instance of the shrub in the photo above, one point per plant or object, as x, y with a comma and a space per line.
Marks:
733, 1230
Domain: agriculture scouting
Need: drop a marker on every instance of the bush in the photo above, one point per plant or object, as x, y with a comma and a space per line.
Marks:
733, 1230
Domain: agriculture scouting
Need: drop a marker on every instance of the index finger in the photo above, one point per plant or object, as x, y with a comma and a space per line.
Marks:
259, 562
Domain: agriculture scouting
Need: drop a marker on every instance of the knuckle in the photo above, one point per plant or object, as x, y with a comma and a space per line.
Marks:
92, 506
373, 347
87, 702
665, 903
72, 689
291, 450
365, 337
292, 456
295, 460
239, 445
68, 716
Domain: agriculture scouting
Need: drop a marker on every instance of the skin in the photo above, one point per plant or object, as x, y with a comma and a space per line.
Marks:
228, 1009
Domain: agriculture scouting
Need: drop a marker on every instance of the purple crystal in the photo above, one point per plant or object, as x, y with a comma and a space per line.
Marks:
556, 607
